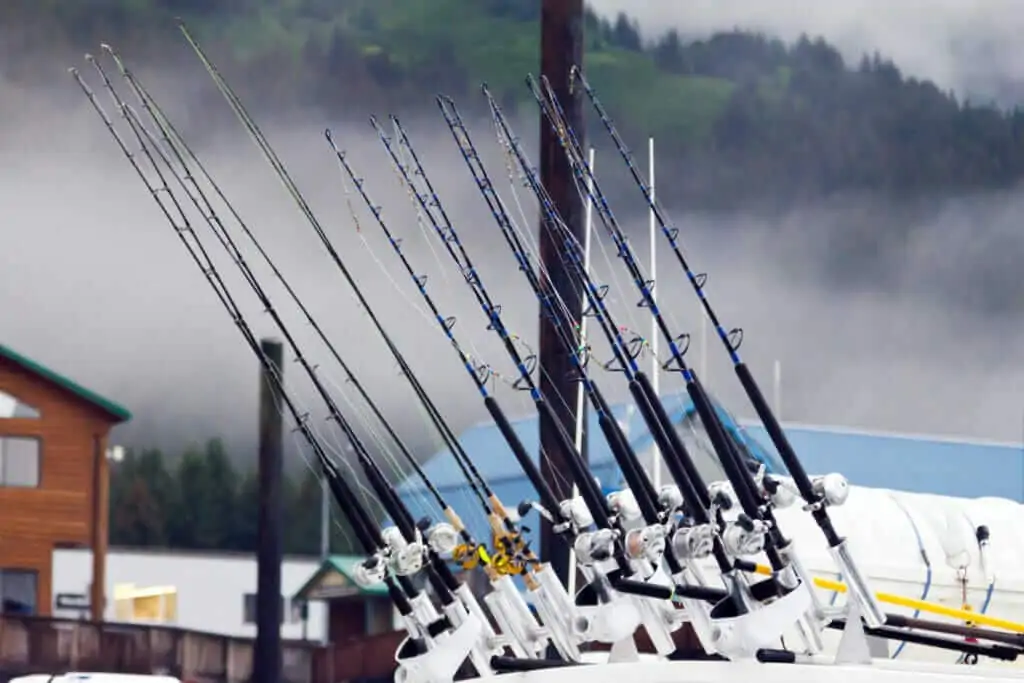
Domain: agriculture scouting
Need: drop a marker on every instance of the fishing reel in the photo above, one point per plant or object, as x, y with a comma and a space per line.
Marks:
593, 547
405, 558
832, 489
576, 510
744, 537
370, 572
670, 498
694, 542
647, 543
623, 504
442, 538
782, 492
469, 556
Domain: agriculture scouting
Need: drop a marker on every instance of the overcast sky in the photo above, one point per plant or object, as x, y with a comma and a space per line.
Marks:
94, 283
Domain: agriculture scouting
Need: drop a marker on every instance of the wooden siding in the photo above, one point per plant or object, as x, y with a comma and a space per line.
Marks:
60, 511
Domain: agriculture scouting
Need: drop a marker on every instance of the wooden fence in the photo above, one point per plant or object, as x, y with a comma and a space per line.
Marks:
46, 645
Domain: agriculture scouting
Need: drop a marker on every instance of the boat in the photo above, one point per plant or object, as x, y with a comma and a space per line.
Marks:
742, 559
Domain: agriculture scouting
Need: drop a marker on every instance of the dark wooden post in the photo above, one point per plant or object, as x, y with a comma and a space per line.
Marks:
267, 650
561, 37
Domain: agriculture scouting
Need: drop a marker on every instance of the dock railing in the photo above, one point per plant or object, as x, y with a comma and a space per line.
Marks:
48, 645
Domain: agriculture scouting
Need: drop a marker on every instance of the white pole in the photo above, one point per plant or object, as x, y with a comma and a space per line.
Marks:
777, 389
580, 395
704, 345
655, 370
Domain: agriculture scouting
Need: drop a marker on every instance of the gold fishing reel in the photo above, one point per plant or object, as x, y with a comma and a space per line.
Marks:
510, 556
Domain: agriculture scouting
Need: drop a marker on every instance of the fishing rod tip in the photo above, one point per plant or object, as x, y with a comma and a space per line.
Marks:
106, 47
73, 71
327, 134
89, 57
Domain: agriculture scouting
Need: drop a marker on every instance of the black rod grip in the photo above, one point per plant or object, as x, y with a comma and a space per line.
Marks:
686, 474
645, 590
786, 452
544, 492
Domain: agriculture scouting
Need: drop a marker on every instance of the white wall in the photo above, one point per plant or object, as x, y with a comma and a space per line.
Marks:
210, 586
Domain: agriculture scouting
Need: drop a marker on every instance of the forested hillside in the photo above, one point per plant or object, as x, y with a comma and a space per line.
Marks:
745, 117
200, 501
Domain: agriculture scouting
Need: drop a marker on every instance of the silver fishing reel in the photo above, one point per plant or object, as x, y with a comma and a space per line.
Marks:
594, 546
624, 504
405, 558
833, 488
744, 537
371, 572
647, 543
576, 510
670, 497
722, 495
694, 542
442, 538
781, 491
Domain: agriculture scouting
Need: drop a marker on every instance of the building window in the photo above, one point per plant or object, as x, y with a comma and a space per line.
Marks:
19, 461
18, 591
290, 614
12, 407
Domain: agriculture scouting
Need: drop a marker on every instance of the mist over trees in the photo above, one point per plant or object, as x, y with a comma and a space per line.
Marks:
744, 119
741, 120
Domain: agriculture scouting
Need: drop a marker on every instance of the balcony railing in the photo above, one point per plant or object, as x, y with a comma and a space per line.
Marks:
45, 645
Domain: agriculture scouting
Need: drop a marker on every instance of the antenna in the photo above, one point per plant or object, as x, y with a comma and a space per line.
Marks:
581, 393
777, 388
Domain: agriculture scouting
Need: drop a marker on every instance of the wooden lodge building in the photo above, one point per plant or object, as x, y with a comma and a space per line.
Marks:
53, 480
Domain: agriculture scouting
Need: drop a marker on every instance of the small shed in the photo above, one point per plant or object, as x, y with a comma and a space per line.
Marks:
353, 612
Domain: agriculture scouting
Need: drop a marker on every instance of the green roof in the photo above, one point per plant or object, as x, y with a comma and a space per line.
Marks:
336, 579
119, 413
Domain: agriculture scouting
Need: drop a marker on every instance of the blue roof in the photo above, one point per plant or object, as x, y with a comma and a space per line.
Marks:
956, 467
911, 463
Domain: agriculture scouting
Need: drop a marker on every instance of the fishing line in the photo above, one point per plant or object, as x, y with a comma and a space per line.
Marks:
744, 486
181, 149
506, 146
285, 178
437, 571
688, 479
369, 534
479, 373
445, 232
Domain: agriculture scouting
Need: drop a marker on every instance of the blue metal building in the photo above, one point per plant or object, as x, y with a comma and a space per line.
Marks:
954, 467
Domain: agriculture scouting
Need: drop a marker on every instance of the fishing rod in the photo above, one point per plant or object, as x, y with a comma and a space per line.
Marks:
817, 495
590, 493
829, 490
695, 540
480, 373
649, 542
640, 486
410, 553
472, 635
555, 605
429, 202
400, 588
646, 544
447, 434
438, 572
743, 484
466, 553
